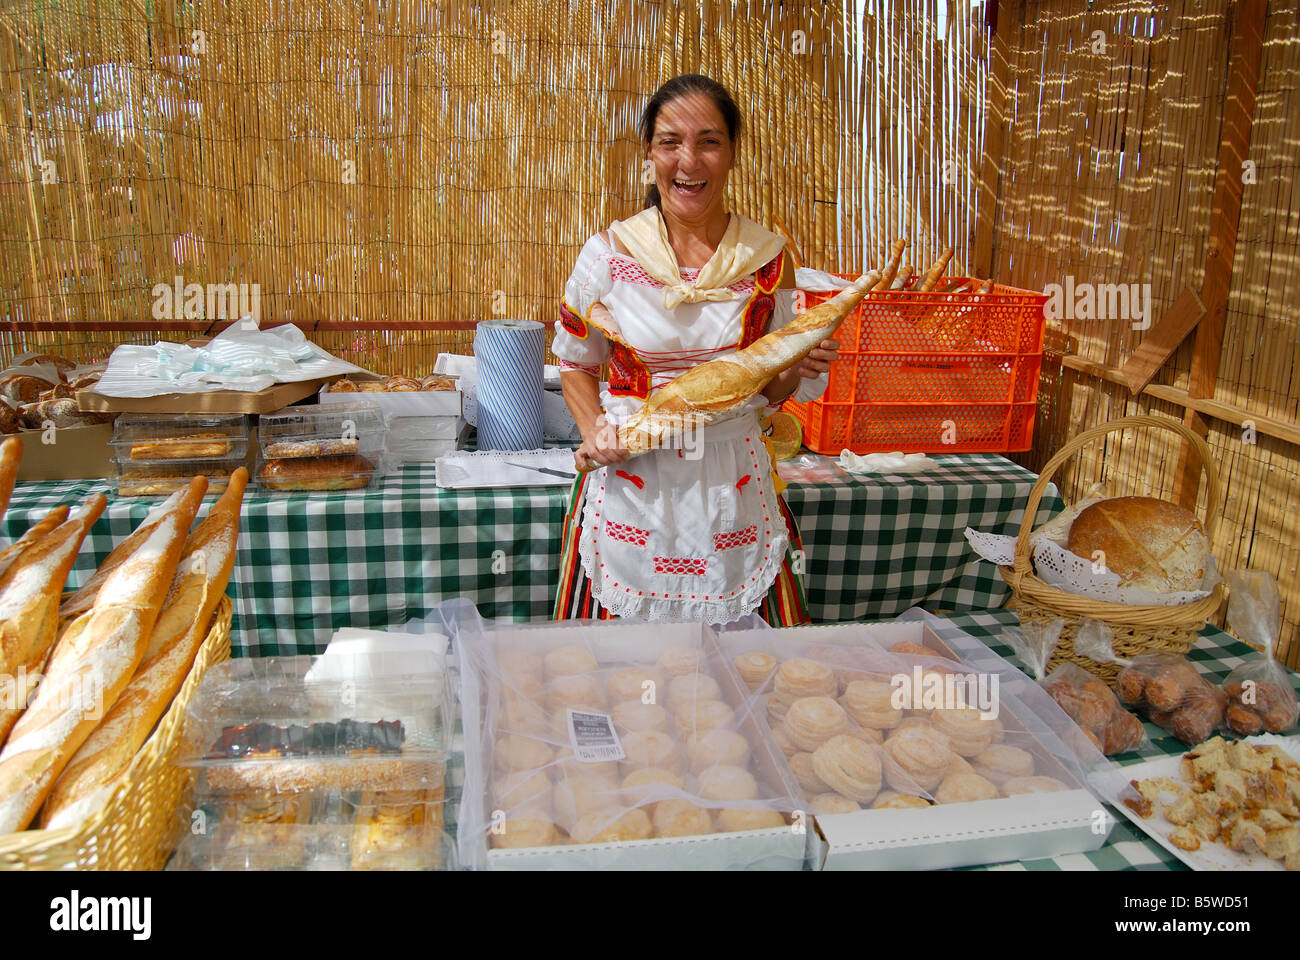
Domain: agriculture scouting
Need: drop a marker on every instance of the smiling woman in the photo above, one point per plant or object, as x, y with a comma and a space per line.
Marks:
696, 533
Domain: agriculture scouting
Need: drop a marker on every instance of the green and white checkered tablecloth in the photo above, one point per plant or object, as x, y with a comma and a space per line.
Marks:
310, 563
1215, 655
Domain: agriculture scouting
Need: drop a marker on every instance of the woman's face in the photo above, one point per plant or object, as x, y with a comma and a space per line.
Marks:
692, 154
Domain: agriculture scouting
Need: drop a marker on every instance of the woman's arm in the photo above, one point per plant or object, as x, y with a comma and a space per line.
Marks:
599, 440
784, 384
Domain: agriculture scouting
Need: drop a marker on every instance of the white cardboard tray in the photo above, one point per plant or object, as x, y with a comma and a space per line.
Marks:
409, 403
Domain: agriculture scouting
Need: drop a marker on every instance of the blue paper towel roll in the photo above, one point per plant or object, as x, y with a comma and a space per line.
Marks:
509, 355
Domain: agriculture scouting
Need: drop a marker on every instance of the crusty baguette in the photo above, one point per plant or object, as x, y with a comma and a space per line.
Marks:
891, 268
34, 533
198, 585
84, 597
29, 603
705, 394
11, 452
901, 278
933, 275
93, 661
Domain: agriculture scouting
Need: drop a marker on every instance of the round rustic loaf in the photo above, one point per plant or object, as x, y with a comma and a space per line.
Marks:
1148, 543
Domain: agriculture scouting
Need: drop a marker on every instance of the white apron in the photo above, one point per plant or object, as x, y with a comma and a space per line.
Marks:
673, 539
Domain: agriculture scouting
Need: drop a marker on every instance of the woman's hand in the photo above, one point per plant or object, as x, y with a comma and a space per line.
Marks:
600, 447
819, 360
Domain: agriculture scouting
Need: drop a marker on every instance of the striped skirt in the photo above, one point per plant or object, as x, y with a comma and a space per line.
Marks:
784, 605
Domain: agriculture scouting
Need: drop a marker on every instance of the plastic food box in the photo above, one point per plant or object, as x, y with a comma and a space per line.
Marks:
932, 373
1024, 827
160, 478
403, 403
325, 436
192, 438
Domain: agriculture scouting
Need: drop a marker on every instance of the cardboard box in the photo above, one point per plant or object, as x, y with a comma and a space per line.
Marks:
216, 401
78, 453
1027, 827
404, 403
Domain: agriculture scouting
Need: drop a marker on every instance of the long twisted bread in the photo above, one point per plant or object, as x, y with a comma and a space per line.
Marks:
92, 662
11, 452
200, 581
29, 604
704, 394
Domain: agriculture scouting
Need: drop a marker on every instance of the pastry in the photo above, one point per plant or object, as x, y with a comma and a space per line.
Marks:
692, 719
177, 448
401, 385
635, 683
22, 388
811, 721
675, 817
725, 783
566, 764
575, 797
960, 765
732, 819
649, 748
1244, 721
870, 703
1147, 543
1019, 785
633, 715
691, 688
864, 733
316, 473
755, 669
332, 446
801, 765
923, 754
968, 730
848, 766
436, 382
965, 787
1001, 763
515, 753
343, 385
798, 678
523, 788
679, 661
370, 386
783, 741
601, 827
640, 786
515, 665
889, 800
1122, 734
714, 747
776, 710
574, 691
907, 648
568, 662
825, 804
1130, 687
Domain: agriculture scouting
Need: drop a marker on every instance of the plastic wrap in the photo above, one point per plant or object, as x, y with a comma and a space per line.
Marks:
1173, 695
1260, 695
1034, 642
602, 734
1101, 718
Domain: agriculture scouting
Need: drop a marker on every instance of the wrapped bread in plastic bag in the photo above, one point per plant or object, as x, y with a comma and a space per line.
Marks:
1173, 695
945, 731
1260, 696
1090, 703
600, 733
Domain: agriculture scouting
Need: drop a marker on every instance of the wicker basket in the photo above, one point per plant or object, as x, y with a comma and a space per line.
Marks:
136, 829
1137, 629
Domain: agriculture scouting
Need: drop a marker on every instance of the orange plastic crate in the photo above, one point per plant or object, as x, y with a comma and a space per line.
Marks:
931, 373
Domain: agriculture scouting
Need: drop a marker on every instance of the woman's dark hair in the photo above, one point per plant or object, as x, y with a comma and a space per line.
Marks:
680, 86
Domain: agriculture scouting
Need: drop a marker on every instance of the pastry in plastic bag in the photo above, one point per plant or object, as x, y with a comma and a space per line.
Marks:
1090, 703
1260, 698
1173, 695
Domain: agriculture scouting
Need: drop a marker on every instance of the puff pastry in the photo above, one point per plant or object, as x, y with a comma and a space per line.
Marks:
629, 683
848, 766
731, 820
1018, 785
523, 788
517, 664
968, 729
631, 716
800, 677
755, 669
714, 747
776, 710
811, 721
691, 688
825, 804
515, 753
679, 661
695, 718
801, 765
568, 661
567, 765
869, 703
608, 827
574, 691
783, 741
923, 754
640, 786
575, 797
676, 817
965, 787
1001, 762
726, 783
650, 748
889, 800
524, 832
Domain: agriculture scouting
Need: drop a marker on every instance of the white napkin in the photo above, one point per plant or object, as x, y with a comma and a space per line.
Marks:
241, 357
896, 462
356, 654
806, 278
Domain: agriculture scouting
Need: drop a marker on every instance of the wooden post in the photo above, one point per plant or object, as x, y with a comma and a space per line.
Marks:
1234, 144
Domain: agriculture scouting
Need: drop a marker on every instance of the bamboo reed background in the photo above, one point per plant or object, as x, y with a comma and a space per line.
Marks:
389, 174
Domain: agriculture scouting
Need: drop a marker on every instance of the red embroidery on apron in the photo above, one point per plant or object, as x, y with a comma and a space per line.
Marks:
743, 480
631, 478
626, 533
735, 538
681, 566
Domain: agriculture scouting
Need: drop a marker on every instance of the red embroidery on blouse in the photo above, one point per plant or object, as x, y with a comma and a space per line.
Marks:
742, 481
573, 324
626, 533
758, 311
628, 376
627, 270
681, 566
631, 478
769, 274
735, 538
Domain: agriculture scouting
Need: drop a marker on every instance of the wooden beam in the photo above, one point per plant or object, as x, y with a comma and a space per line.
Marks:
1157, 346
1234, 144
1004, 17
1205, 406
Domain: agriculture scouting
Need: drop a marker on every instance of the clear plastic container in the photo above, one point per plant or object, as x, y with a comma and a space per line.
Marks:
162, 438
353, 427
268, 725
162, 478
347, 472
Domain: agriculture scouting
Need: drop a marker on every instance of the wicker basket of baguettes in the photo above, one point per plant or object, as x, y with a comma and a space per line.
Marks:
1149, 543
86, 773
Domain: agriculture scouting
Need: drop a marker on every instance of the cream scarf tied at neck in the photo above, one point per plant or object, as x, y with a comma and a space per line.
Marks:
744, 248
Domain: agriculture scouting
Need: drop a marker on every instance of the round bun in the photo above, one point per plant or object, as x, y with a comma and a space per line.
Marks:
825, 804
632, 716
965, 787
568, 661
692, 688
525, 832
676, 817
811, 721
605, 826
725, 783
849, 767
574, 691
714, 747
679, 661
731, 820
629, 683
